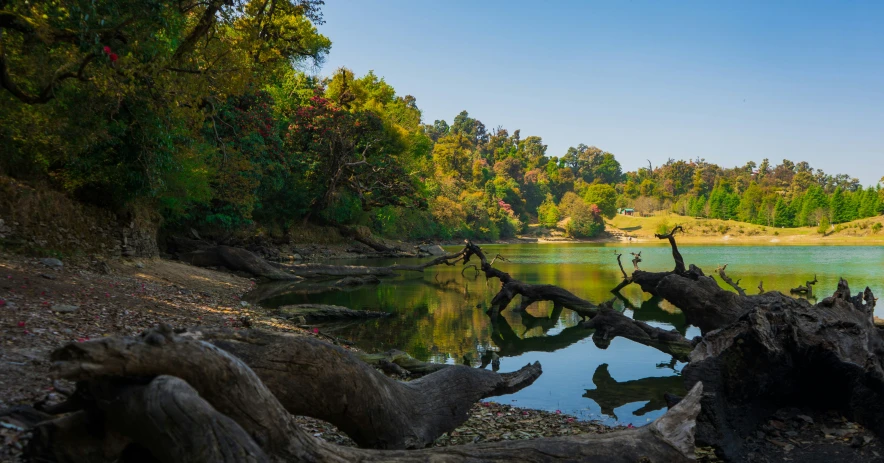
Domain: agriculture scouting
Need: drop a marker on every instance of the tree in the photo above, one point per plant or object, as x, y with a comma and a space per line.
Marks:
604, 196
548, 213
586, 221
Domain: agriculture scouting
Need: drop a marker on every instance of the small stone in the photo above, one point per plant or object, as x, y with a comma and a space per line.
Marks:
805, 418
51, 262
64, 308
244, 303
139, 264
48, 277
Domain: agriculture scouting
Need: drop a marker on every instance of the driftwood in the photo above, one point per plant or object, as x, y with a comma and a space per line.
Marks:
318, 313
636, 258
236, 259
761, 352
732, 283
530, 293
406, 365
220, 409
826, 356
807, 289
609, 323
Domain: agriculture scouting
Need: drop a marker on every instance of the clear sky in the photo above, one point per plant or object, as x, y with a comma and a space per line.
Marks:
726, 81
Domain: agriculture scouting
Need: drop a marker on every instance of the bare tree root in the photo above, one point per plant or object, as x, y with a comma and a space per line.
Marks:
223, 412
378, 411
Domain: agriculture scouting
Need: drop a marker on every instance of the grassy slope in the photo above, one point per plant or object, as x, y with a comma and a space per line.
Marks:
729, 231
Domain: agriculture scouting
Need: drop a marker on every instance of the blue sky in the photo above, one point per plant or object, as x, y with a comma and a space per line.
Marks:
725, 81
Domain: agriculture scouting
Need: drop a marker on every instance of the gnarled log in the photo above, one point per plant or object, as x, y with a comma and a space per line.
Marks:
237, 259
784, 351
609, 323
375, 411
530, 293
225, 413
316, 313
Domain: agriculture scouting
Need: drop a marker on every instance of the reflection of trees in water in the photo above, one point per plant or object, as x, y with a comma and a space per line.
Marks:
610, 394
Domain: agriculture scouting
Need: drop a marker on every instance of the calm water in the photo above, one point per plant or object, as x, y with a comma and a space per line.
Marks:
441, 316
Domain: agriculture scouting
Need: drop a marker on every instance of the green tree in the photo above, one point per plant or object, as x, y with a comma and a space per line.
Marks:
604, 196
548, 213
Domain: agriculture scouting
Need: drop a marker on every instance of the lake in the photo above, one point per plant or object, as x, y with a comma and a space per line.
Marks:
441, 316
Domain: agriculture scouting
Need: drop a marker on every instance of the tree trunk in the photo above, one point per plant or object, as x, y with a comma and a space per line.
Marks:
827, 356
220, 410
374, 410
317, 313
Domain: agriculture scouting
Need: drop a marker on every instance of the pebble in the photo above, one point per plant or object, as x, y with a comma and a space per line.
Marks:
51, 262
65, 308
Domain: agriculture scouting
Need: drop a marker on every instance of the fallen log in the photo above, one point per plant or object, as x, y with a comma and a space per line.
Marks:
410, 365
787, 352
806, 289
318, 313
378, 412
729, 281
609, 324
222, 411
235, 259
530, 293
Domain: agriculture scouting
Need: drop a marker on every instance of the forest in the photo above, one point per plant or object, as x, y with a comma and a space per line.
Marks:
211, 120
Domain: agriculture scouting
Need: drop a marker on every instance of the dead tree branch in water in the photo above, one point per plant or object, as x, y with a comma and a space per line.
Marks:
727, 279
807, 289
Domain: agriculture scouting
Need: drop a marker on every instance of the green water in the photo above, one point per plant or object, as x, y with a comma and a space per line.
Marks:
440, 316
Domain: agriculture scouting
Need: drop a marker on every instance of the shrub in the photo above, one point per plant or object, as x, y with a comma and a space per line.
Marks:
877, 227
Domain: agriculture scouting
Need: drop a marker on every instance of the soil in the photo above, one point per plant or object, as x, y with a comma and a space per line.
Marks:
125, 297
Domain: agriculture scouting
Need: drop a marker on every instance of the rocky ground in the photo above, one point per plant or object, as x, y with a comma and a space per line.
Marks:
45, 303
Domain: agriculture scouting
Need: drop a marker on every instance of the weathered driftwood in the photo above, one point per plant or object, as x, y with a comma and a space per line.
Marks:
729, 281
408, 365
377, 412
530, 293
806, 289
318, 313
827, 356
236, 259
626, 278
609, 323
222, 411
761, 352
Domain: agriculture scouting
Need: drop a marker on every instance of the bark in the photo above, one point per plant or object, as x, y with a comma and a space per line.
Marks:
318, 313
374, 410
609, 323
223, 412
408, 365
236, 259
732, 283
530, 293
786, 352
807, 289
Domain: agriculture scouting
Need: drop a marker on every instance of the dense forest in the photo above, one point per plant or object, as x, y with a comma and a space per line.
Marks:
206, 114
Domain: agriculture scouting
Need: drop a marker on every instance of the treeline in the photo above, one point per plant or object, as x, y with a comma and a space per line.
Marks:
201, 112
785, 195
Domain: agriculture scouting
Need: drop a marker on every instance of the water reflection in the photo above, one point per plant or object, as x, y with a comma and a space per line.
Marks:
441, 317
611, 394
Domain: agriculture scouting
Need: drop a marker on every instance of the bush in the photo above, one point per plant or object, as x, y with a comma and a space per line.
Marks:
823, 227
586, 221
877, 227
663, 228
548, 213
